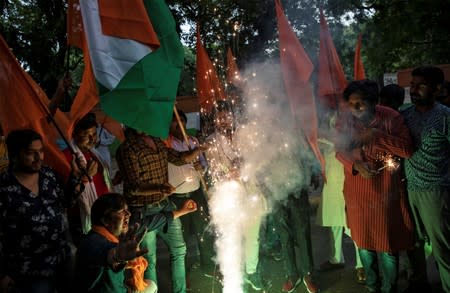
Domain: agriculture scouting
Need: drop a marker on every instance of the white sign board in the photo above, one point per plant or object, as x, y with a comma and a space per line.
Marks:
390, 78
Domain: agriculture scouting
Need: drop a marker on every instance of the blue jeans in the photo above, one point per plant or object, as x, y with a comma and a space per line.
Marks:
388, 265
174, 240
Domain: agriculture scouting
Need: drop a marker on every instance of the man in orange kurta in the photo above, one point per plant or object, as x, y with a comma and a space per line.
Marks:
371, 143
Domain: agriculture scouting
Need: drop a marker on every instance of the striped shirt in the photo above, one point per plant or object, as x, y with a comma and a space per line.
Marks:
377, 210
428, 168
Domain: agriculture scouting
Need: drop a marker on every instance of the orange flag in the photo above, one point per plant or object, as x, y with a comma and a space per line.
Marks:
296, 68
120, 21
20, 97
109, 123
233, 75
87, 96
359, 73
209, 88
23, 104
331, 77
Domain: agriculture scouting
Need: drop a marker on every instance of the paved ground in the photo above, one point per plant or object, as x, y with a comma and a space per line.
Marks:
338, 281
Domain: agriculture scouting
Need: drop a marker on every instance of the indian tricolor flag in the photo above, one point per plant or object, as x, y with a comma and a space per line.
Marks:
137, 58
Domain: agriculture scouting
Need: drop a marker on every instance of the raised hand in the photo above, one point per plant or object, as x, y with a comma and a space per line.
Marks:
128, 247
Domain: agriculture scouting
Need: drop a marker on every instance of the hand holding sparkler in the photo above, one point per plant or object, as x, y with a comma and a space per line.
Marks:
166, 189
390, 163
364, 170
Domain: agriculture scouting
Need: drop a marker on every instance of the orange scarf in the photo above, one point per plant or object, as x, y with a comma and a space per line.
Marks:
135, 281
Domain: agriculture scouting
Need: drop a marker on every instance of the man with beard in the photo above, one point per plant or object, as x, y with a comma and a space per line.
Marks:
427, 172
370, 141
34, 250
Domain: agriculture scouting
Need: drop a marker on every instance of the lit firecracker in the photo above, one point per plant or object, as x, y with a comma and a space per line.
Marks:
389, 162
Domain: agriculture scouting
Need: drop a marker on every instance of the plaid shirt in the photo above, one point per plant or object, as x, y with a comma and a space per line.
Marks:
140, 164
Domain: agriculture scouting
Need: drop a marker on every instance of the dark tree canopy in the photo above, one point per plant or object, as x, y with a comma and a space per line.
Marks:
396, 33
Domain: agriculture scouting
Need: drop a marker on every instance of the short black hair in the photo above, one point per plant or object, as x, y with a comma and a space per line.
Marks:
181, 114
104, 205
85, 123
433, 75
394, 94
18, 140
368, 89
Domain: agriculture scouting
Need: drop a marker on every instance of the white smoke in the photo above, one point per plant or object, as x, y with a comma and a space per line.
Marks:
276, 161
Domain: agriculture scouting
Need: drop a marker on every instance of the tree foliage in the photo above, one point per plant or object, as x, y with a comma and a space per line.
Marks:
396, 33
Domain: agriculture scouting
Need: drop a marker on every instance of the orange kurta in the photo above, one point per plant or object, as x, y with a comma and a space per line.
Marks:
376, 208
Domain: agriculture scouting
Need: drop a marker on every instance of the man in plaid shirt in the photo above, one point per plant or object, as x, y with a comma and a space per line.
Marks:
143, 163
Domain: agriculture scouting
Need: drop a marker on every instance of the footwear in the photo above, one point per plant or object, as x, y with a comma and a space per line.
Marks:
360, 276
310, 285
328, 266
254, 280
290, 286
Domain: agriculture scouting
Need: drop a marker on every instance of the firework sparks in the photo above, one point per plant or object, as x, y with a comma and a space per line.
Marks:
389, 162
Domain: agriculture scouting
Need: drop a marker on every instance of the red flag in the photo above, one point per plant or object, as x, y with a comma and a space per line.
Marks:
297, 68
359, 73
233, 75
23, 104
331, 77
209, 88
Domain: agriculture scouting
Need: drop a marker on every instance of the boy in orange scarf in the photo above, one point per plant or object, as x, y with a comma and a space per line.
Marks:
110, 251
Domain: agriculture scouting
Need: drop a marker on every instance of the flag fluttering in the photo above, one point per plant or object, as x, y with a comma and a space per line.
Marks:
296, 68
331, 77
209, 88
137, 72
23, 104
87, 95
359, 73
233, 74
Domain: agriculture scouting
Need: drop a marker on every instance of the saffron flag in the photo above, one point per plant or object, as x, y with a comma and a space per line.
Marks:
233, 75
87, 95
23, 104
359, 73
296, 68
137, 70
209, 88
331, 77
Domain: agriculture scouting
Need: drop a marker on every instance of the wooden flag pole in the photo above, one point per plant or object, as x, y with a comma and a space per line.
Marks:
183, 131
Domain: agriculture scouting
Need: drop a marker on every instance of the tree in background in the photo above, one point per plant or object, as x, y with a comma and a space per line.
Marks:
396, 33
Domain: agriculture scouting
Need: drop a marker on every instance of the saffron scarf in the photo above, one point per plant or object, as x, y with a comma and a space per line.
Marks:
134, 281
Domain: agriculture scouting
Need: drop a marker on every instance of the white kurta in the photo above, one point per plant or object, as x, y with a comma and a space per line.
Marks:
331, 211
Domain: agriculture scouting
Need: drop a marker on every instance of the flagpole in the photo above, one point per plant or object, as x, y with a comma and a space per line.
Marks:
183, 131
51, 119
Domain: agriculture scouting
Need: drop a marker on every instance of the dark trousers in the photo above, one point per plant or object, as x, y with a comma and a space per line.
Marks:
196, 224
293, 222
387, 265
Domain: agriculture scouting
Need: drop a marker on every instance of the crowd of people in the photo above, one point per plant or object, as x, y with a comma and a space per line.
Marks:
387, 186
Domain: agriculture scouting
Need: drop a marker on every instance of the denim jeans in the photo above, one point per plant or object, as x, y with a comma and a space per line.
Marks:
174, 240
197, 224
388, 264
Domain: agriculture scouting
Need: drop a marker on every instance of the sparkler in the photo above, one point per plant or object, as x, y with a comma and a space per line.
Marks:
390, 163
187, 179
